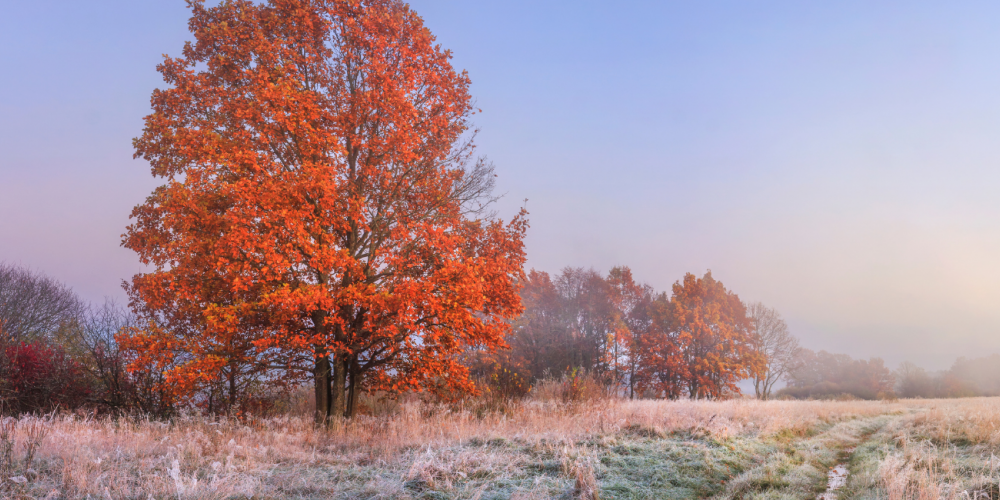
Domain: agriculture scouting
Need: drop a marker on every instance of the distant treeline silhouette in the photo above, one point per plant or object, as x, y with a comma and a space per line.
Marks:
965, 378
825, 375
822, 375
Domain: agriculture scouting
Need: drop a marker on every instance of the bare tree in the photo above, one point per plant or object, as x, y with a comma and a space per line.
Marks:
33, 305
773, 342
105, 361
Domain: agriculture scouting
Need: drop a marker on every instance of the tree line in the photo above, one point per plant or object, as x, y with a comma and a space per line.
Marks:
55, 350
628, 341
699, 341
967, 377
825, 375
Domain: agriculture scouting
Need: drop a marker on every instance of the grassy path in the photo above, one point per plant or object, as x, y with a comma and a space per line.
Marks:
798, 467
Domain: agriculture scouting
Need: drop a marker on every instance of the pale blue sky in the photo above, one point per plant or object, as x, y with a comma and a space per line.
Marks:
838, 162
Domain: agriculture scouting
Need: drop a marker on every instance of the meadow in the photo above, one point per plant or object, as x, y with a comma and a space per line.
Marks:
609, 449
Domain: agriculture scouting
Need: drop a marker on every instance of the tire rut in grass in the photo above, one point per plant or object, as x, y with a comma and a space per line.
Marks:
800, 466
836, 478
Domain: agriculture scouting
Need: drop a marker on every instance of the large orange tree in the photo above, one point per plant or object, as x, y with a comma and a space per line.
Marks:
322, 201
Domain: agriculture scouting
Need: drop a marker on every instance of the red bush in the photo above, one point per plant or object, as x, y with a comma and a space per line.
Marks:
37, 376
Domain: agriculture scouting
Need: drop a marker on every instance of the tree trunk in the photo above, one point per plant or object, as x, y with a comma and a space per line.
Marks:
354, 389
321, 377
232, 388
337, 399
631, 380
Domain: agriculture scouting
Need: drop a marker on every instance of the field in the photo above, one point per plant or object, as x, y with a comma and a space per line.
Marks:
604, 449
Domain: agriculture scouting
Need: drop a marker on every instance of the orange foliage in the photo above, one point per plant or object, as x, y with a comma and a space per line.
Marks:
635, 342
320, 204
699, 344
630, 303
712, 323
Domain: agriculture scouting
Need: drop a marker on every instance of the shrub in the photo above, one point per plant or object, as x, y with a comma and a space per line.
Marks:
39, 377
575, 386
500, 387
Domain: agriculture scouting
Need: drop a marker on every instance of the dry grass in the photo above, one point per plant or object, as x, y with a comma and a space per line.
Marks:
540, 450
946, 450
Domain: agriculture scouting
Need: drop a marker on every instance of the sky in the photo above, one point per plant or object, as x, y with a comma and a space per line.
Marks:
837, 161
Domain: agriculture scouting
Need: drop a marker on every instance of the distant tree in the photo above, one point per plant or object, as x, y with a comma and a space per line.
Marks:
582, 321
630, 322
871, 379
913, 381
775, 346
322, 201
714, 333
542, 340
662, 371
978, 376
954, 385
590, 314
34, 306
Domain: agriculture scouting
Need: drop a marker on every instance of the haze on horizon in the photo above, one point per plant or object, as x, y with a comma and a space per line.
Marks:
837, 162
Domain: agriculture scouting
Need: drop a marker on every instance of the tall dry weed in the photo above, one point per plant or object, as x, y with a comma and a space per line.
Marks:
7, 427
585, 486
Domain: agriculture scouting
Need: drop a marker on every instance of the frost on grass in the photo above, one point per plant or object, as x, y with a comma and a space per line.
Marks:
607, 450
939, 449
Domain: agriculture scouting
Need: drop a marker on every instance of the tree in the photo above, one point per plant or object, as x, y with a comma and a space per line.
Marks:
104, 360
589, 314
773, 344
34, 306
662, 370
581, 320
712, 327
980, 376
542, 341
322, 201
630, 323
913, 381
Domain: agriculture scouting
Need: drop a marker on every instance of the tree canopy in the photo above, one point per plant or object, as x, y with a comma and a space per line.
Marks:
322, 207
